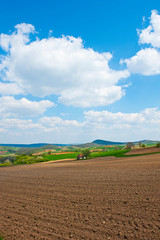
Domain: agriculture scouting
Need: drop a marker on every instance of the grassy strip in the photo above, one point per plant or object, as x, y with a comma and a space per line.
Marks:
60, 156
118, 153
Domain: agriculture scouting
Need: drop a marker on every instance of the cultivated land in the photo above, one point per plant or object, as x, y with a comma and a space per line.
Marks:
102, 198
145, 150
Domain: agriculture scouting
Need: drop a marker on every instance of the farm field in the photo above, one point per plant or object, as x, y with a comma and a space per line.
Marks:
143, 150
29, 159
102, 198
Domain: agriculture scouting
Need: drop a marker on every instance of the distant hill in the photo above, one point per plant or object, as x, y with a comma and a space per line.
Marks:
87, 145
147, 142
84, 145
33, 145
104, 142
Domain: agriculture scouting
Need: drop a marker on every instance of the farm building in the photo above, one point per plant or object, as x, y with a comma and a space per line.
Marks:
80, 156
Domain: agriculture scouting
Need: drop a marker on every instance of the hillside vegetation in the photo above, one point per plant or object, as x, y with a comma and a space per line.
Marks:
16, 155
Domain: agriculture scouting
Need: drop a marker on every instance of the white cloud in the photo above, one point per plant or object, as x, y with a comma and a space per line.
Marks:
45, 129
62, 66
43, 123
18, 38
50, 122
97, 124
123, 126
151, 34
147, 116
147, 60
9, 106
9, 89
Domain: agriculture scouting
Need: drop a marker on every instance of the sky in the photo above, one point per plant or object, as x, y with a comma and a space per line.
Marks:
75, 71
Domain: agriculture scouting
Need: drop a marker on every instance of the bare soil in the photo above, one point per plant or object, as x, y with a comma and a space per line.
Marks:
103, 198
143, 150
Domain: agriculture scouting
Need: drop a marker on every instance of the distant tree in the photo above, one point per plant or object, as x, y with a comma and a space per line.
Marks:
39, 159
158, 144
140, 144
49, 152
130, 145
86, 153
116, 148
143, 145
75, 150
104, 149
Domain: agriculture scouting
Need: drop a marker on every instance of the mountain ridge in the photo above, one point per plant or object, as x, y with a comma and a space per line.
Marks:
94, 143
105, 142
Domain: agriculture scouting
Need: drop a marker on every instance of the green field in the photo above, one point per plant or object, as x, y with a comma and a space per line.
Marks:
60, 156
25, 159
118, 153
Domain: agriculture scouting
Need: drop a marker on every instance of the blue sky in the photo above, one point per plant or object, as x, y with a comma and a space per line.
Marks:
75, 71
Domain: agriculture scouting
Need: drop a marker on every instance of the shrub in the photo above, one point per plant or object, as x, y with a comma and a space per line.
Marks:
4, 165
1, 238
143, 145
158, 144
140, 144
40, 159
104, 149
130, 145
116, 148
86, 153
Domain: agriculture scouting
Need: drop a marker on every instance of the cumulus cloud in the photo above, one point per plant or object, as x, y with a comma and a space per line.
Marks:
45, 129
50, 122
147, 116
147, 60
10, 89
123, 126
43, 123
9, 106
14, 124
151, 34
60, 66
97, 124
18, 38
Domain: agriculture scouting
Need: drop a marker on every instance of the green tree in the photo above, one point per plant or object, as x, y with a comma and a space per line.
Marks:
158, 144
116, 148
86, 153
140, 144
104, 149
130, 145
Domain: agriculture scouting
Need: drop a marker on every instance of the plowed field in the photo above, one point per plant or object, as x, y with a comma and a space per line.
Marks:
103, 198
145, 150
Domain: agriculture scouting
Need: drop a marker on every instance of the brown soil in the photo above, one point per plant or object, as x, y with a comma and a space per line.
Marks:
105, 198
143, 150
